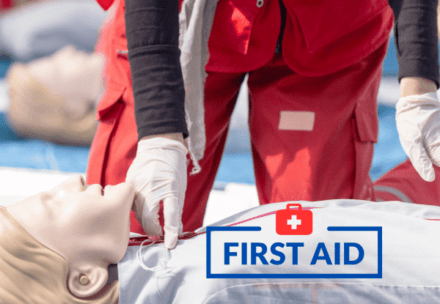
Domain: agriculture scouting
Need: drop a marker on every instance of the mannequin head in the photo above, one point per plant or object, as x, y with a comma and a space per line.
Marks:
86, 225
53, 98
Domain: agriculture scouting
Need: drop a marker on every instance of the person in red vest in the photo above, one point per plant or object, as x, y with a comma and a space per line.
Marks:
313, 68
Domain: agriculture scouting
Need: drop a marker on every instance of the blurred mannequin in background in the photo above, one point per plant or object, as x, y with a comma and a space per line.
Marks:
39, 28
54, 98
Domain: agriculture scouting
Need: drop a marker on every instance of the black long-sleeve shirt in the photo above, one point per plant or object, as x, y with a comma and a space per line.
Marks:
152, 37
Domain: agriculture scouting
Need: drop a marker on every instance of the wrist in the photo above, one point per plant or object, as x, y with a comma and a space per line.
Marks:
416, 86
410, 102
168, 140
173, 136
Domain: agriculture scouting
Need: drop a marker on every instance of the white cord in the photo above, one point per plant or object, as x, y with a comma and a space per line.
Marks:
162, 263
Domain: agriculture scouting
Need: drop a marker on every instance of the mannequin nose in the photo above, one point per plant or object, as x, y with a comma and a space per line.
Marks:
73, 184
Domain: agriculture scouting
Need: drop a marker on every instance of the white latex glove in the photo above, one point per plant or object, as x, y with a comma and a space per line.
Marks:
418, 124
158, 173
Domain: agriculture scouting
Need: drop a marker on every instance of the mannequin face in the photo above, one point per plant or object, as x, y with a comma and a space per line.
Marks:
73, 76
87, 225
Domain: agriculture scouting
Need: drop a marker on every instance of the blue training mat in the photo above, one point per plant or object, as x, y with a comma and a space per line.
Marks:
18, 152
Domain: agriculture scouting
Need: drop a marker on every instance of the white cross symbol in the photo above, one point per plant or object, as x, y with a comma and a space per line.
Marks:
294, 222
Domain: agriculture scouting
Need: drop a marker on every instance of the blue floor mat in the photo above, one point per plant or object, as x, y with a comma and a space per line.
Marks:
18, 152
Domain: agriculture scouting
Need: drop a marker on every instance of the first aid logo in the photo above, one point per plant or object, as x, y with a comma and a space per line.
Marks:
294, 242
294, 221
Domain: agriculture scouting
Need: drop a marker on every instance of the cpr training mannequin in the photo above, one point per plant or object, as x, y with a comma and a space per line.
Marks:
56, 246
52, 98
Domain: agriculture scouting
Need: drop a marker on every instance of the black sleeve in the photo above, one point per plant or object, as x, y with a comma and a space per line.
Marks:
415, 36
152, 29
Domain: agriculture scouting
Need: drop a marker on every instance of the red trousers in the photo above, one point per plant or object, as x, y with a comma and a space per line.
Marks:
312, 137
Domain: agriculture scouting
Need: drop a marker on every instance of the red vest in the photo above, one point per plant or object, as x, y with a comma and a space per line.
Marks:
320, 36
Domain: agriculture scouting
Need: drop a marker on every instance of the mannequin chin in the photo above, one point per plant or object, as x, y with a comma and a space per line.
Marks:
83, 228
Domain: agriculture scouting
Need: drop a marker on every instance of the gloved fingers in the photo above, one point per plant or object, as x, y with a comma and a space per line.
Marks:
424, 168
172, 220
149, 218
432, 139
135, 173
421, 162
411, 139
418, 124
434, 154
158, 173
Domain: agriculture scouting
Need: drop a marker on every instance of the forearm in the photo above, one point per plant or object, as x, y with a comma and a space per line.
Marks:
415, 36
152, 41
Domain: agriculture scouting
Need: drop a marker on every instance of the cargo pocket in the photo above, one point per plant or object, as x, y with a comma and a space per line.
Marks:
313, 16
366, 125
352, 32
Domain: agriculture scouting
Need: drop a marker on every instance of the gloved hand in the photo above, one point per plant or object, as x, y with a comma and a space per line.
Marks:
158, 173
418, 124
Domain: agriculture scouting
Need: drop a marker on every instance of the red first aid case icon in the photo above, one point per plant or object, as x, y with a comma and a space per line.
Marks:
294, 221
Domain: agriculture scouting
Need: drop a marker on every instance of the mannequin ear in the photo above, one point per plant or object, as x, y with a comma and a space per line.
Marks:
86, 281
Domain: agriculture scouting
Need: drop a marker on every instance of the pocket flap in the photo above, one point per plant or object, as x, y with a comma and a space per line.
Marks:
233, 24
109, 98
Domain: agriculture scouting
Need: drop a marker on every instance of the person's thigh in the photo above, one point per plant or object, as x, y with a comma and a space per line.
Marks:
312, 137
221, 91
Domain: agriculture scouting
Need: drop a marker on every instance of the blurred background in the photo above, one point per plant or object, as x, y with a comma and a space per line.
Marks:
50, 83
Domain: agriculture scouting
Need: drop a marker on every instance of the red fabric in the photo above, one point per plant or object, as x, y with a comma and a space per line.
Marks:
321, 37
9, 4
115, 142
405, 179
105, 4
6, 4
332, 161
